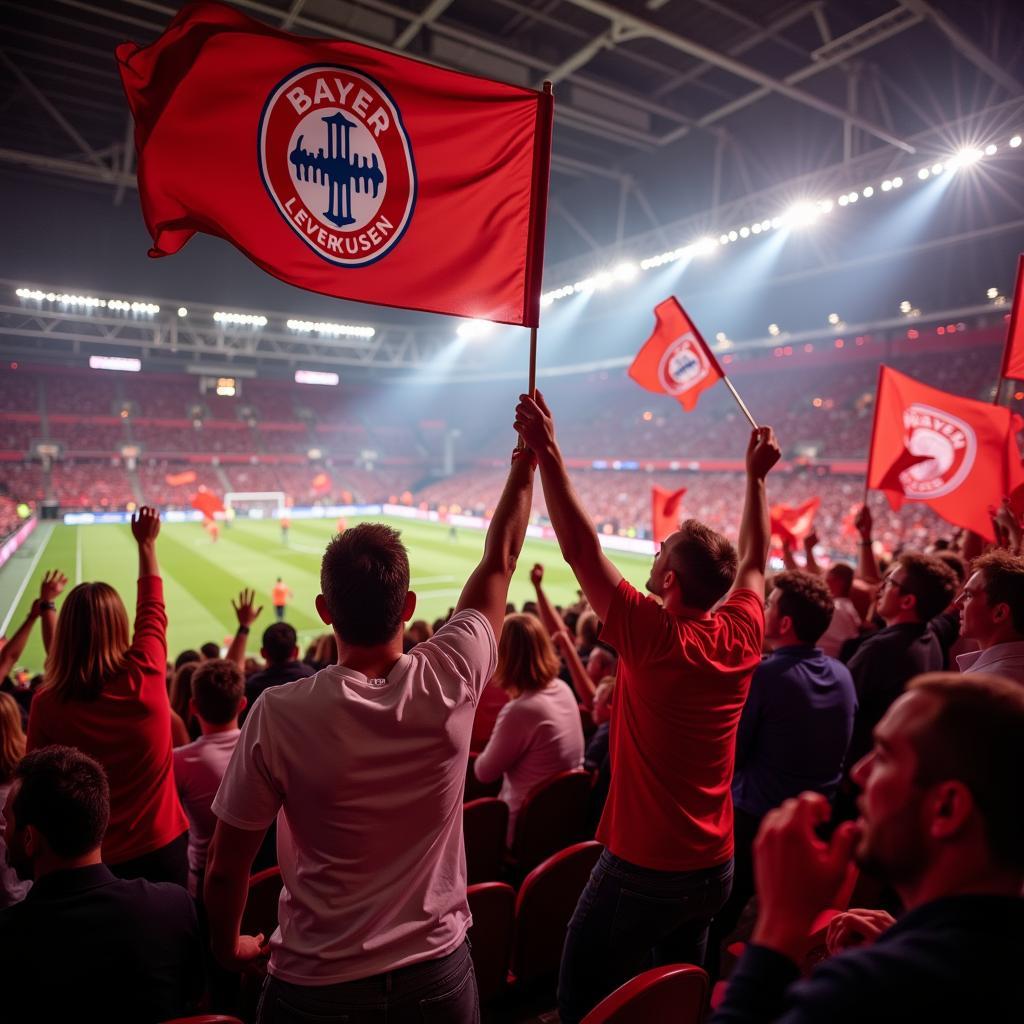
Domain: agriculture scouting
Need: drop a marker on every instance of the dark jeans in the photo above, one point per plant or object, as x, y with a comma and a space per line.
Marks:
439, 991
168, 864
629, 919
745, 828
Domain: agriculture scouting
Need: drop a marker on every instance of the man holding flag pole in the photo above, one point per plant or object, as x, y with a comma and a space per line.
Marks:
686, 656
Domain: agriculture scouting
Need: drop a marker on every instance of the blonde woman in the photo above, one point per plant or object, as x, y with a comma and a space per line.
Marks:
106, 693
538, 732
12, 750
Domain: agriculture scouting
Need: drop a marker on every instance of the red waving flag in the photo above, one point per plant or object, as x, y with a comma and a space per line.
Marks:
1013, 353
322, 484
957, 455
188, 476
340, 168
208, 503
665, 512
675, 360
791, 523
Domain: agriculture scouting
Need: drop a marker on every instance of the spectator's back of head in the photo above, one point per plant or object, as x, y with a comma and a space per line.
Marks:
279, 643
839, 579
210, 650
703, 564
805, 601
218, 691
89, 643
63, 795
364, 583
955, 562
526, 657
12, 737
185, 657
928, 579
181, 688
588, 627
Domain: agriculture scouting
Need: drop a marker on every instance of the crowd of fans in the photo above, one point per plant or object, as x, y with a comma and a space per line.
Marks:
837, 765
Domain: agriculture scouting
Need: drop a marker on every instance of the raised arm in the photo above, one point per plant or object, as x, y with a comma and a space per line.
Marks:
755, 528
787, 556
11, 651
53, 583
810, 562
246, 615
581, 681
145, 528
867, 567
574, 529
548, 615
486, 590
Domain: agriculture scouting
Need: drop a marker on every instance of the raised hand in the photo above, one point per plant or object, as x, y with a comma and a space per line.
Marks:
145, 525
534, 423
53, 583
811, 541
537, 574
863, 522
244, 610
762, 452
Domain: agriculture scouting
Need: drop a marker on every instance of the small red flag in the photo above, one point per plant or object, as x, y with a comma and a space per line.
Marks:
187, 476
675, 360
1013, 353
322, 484
208, 503
957, 455
665, 512
791, 523
340, 168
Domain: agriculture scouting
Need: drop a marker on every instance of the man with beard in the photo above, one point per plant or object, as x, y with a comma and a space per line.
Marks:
685, 662
941, 821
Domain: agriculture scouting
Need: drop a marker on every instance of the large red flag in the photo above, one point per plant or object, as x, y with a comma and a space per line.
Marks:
208, 503
675, 360
341, 168
1013, 353
791, 523
971, 459
665, 512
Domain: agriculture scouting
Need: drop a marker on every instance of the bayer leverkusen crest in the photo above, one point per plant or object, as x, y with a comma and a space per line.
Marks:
683, 365
950, 445
336, 160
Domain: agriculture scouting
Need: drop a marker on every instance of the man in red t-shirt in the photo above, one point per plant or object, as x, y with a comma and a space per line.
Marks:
684, 670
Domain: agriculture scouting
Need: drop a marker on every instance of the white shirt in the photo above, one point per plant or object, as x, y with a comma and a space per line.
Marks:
368, 775
536, 735
844, 625
1000, 659
198, 769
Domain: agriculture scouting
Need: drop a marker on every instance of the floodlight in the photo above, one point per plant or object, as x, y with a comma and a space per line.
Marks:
182, 311
473, 329
1015, 142
924, 174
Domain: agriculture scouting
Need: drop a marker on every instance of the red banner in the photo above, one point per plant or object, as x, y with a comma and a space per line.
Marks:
791, 523
1013, 353
208, 503
322, 484
665, 512
675, 360
340, 168
957, 455
187, 476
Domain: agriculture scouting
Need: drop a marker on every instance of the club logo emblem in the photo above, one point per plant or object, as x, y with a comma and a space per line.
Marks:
950, 445
683, 365
336, 160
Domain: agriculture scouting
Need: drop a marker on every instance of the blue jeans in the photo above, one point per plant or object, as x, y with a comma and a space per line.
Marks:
629, 919
441, 991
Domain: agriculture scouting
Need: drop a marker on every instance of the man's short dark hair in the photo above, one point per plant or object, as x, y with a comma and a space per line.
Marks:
364, 579
217, 688
930, 580
955, 562
185, 657
974, 737
64, 794
704, 563
279, 642
210, 650
844, 573
807, 601
1003, 576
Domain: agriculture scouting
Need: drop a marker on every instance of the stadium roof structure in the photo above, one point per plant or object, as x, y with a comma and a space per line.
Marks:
673, 117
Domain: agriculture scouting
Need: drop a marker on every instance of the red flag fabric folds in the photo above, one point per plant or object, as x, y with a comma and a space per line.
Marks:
208, 503
956, 455
665, 512
322, 484
675, 360
1013, 353
187, 476
341, 168
791, 523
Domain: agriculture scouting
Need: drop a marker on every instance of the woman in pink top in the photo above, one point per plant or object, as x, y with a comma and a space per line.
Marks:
538, 732
108, 697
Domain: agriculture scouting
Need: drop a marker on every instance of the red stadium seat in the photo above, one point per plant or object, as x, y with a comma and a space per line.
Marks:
484, 827
552, 817
205, 1018
493, 906
476, 789
260, 914
544, 906
676, 993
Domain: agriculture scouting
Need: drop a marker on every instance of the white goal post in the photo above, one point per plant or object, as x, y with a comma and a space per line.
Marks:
255, 504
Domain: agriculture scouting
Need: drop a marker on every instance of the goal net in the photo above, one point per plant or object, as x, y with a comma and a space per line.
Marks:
255, 504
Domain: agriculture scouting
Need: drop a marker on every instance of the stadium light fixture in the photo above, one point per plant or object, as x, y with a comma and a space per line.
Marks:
1015, 141
802, 214
226, 387
316, 377
240, 319
964, 158
704, 246
773, 330
182, 311
755, 229
332, 329
88, 301
992, 293
625, 271
897, 182
833, 318
905, 307
123, 363
991, 149
867, 192
924, 174
938, 167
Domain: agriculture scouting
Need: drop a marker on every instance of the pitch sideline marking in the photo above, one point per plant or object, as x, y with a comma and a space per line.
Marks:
24, 584
78, 555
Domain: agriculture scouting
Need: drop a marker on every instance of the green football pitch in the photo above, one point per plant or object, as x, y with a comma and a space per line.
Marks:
201, 577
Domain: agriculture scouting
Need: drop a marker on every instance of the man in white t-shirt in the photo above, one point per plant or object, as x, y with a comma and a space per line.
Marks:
846, 622
218, 698
366, 762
